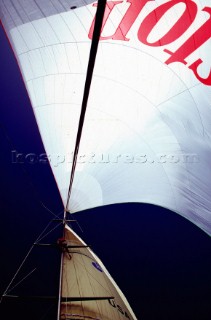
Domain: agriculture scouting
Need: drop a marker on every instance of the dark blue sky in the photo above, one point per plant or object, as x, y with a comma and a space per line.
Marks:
161, 261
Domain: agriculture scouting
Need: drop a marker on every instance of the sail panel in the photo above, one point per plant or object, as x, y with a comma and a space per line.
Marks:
88, 291
146, 136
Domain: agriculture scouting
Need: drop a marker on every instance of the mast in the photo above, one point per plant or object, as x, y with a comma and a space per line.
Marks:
61, 269
93, 52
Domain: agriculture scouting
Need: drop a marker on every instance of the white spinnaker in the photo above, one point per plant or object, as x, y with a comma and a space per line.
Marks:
147, 129
86, 281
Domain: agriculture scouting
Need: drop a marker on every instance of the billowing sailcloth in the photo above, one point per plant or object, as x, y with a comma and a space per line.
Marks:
147, 133
146, 136
88, 291
147, 129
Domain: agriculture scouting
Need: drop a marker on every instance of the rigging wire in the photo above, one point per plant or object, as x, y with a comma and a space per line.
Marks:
23, 262
90, 68
30, 182
92, 56
43, 234
8, 291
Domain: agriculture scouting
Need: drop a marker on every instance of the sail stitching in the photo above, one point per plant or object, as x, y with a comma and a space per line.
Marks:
90, 273
90, 283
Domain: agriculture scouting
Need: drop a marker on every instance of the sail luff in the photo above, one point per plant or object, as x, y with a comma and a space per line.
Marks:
87, 288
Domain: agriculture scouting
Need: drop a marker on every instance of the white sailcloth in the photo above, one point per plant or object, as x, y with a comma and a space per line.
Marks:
88, 291
147, 133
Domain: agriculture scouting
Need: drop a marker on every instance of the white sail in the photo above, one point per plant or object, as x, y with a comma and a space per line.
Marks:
147, 130
88, 291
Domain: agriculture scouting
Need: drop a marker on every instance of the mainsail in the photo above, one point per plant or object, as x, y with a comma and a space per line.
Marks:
88, 291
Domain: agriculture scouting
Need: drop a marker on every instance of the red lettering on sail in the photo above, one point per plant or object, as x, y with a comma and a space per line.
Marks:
109, 7
176, 31
194, 67
194, 42
127, 21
